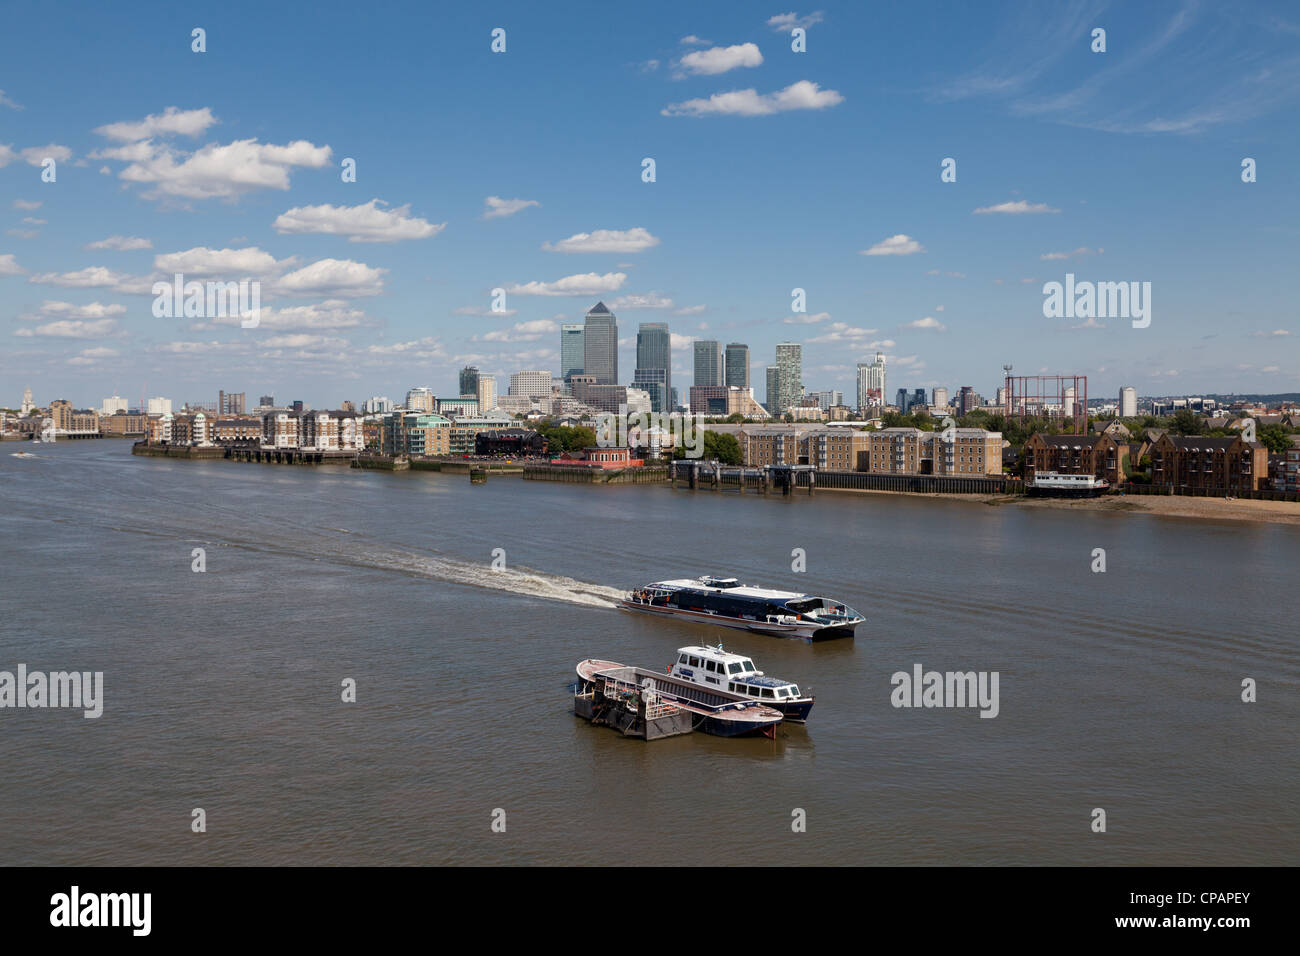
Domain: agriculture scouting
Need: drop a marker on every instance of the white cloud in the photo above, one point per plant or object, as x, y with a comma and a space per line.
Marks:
90, 310
927, 323
523, 331
329, 315
803, 95
1090, 324
584, 284
677, 341
121, 243
899, 245
1017, 208
8, 267
6, 101
1081, 251
843, 332
330, 278
805, 319
35, 155
31, 221
1275, 332
214, 171
96, 277
650, 300
171, 120
605, 240
7, 155
425, 348
498, 208
487, 313
22, 233
692, 40
302, 341
91, 356
362, 223
785, 22
720, 59
72, 329
690, 310
27, 204
231, 263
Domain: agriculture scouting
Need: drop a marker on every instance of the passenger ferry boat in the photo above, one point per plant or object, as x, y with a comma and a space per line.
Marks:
1054, 483
714, 667
727, 602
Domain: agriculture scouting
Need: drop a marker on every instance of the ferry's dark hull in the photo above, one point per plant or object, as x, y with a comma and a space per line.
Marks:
794, 710
804, 631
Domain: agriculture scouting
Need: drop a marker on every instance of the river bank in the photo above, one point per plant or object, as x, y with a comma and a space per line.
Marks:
1171, 506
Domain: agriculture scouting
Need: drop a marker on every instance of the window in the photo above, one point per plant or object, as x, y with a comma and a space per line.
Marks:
767, 692
711, 667
695, 662
682, 659
734, 667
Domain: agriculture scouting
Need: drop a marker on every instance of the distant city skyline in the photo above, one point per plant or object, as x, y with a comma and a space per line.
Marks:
1122, 166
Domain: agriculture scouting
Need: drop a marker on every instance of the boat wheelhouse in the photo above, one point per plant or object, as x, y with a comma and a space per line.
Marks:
714, 667
728, 603
1055, 483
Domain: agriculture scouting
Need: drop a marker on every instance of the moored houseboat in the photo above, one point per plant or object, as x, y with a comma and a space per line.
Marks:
1059, 485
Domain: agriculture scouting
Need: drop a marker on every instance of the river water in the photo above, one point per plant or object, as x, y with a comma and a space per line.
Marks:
1118, 691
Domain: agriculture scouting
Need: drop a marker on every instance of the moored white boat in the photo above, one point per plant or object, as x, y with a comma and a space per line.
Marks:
714, 667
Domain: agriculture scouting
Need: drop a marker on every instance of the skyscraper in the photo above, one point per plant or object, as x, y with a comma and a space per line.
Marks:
737, 365
871, 382
654, 364
534, 383
571, 351
487, 393
789, 362
773, 398
230, 403
469, 380
1128, 402
708, 363
600, 345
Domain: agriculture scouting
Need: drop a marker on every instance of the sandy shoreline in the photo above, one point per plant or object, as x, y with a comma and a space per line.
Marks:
1173, 506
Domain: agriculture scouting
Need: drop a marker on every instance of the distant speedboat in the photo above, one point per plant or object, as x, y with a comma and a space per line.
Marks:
714, 667
21, 454
727, 602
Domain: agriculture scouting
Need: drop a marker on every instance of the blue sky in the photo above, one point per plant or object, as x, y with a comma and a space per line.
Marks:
226, 165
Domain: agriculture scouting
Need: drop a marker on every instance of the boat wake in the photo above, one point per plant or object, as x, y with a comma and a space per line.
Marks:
525, 582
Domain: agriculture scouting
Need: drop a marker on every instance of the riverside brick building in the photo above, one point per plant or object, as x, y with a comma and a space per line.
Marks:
1189, 463
1098, 455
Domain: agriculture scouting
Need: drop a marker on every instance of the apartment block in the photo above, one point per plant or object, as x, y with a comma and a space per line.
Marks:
1218, 465
1098, 455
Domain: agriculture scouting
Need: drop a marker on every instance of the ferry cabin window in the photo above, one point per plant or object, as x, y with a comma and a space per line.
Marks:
748, 665
682, 659
695, 662
767, 692
734, 667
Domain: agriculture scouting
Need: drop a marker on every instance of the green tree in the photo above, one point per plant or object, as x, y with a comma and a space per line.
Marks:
1274, 437
1187, 422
